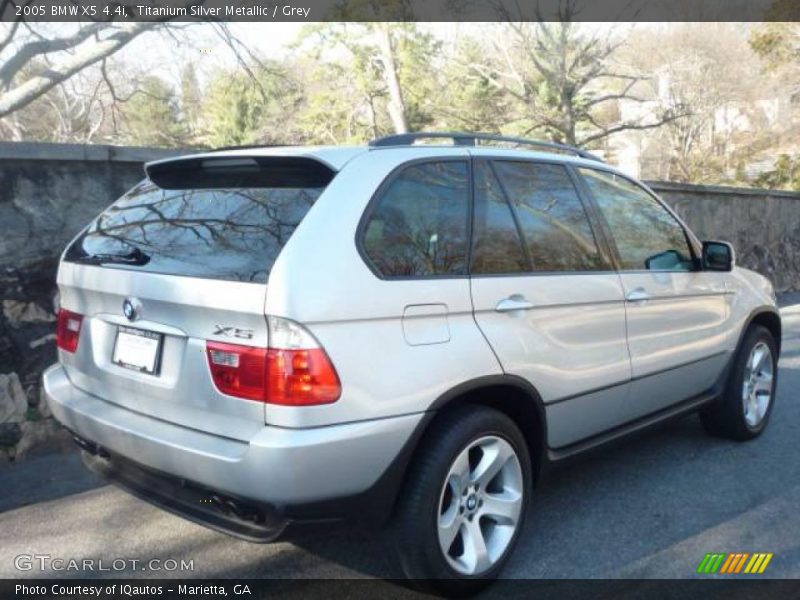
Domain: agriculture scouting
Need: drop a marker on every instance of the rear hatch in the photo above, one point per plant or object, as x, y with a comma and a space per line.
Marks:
181, 259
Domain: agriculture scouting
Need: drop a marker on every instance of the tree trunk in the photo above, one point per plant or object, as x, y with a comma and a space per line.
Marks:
397, 106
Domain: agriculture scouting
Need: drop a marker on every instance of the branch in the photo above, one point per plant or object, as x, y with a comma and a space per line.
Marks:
116, 98
624, 94
33, 88
12, 30
629, 127
236, 46
31, 50
485, 72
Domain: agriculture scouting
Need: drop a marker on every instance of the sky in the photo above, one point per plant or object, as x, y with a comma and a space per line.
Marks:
157, 53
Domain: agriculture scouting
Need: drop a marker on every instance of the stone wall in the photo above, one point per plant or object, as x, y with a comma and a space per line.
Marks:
49, 192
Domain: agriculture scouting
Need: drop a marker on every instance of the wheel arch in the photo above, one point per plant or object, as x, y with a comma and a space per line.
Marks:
768, 317
511, 395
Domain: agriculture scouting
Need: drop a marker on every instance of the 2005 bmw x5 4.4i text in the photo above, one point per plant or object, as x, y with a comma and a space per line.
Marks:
404, 335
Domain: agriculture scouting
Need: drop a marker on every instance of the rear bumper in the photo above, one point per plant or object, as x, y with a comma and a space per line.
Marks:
259, 523
280, 467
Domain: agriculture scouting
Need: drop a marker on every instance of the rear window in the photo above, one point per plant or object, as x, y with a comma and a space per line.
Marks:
214, 219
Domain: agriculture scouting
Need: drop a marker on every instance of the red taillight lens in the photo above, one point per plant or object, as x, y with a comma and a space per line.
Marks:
301, 377
68, 330
238, 370
287, 376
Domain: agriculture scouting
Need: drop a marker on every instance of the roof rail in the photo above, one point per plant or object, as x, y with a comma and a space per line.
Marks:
471, 139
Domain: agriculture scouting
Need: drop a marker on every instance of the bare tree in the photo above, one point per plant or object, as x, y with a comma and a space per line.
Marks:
730, 108
564, 78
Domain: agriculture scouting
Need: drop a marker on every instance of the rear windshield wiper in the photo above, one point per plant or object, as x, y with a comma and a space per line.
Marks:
135, 258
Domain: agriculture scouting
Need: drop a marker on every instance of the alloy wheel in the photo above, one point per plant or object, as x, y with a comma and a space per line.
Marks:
757, 384
480, 505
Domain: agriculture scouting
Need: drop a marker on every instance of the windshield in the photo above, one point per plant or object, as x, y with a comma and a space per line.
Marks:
224, 233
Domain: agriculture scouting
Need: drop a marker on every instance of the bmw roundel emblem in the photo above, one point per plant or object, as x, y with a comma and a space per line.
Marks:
131, 308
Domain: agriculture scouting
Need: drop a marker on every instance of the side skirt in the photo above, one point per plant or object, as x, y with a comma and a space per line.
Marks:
673, 412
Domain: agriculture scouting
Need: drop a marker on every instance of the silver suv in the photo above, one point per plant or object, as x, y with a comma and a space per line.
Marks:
405, 334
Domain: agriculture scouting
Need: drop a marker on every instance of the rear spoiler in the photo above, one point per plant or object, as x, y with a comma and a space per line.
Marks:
208, 171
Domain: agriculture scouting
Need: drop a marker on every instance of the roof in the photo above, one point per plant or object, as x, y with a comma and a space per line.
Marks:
337, 156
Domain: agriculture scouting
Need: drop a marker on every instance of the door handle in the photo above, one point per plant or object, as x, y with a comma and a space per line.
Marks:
513, 302
637, 295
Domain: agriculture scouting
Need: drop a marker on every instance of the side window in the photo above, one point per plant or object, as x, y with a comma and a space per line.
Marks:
647, 236
553, 220
497, 247
418, 226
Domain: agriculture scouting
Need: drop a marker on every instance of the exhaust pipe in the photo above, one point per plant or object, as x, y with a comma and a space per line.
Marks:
90, 447
231, 507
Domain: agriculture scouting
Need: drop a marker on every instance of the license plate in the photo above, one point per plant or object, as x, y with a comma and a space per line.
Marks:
138, 350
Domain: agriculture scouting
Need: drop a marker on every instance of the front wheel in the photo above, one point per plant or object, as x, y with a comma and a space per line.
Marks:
463, 506
745, 407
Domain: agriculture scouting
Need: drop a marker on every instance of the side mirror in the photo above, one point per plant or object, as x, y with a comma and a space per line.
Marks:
718, 256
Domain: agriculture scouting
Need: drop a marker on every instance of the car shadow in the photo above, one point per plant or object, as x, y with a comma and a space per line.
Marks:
43, 477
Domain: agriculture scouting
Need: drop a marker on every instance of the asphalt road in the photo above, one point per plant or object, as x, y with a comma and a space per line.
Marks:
648, 508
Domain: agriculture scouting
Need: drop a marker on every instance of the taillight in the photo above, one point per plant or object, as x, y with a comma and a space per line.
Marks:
301, 377
294, 371
68, 330
238, 370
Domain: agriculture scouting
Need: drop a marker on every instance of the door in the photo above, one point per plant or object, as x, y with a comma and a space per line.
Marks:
676, 313
546, 297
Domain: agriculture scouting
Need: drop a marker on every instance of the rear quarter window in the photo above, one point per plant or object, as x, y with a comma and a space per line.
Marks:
417, 226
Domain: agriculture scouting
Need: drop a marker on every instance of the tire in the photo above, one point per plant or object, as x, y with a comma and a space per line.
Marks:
465, 441
743, 411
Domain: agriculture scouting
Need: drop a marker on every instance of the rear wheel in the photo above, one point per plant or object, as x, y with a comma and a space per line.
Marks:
744, 410
463, 506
